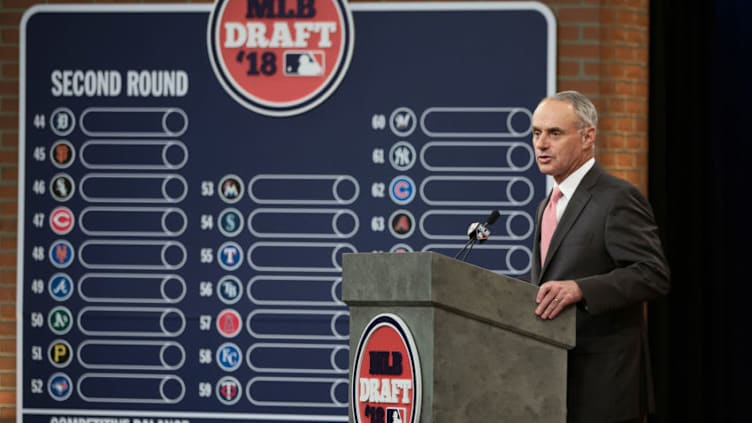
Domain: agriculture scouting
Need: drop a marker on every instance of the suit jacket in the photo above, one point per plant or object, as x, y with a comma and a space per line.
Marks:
608, 242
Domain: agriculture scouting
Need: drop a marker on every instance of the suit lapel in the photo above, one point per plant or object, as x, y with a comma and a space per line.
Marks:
574, 208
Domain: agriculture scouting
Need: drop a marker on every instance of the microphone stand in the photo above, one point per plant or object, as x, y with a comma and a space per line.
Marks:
465, 249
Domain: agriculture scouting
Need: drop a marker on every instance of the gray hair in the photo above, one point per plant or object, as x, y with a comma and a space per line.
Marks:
583, 107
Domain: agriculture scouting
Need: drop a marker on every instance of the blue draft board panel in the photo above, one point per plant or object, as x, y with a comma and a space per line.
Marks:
180, 256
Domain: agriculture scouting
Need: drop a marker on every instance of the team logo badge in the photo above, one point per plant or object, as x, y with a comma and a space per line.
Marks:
62, 187
60, 353
230, 222
229, 323
402, 189
60, 286
401, 224
61, 220
402, 155
62, 121
230, 255
229, 357
60, 320
61, 253
277, 57
231, 189
403, 122
386, 379
62, 154
228, 390
229, 289
401, 248
60, 386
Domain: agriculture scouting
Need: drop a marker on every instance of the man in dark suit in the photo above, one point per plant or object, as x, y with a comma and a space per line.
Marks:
604, 258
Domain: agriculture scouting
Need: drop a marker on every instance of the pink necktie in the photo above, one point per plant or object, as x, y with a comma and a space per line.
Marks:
548, 224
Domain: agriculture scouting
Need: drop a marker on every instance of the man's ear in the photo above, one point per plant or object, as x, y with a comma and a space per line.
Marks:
588, 137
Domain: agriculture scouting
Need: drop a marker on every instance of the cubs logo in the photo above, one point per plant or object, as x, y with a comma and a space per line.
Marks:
386, 376
280, 57
402, 189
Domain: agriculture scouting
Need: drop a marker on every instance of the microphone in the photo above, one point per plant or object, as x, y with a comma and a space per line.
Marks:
478, 232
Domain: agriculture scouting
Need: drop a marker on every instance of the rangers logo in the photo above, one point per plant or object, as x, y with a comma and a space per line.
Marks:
230, 255
280, 57
386, 378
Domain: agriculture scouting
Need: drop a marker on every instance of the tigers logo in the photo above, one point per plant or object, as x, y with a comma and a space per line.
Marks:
280, 57
386, 379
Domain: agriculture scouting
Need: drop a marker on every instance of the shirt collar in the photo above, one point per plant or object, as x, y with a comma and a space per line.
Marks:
569, 185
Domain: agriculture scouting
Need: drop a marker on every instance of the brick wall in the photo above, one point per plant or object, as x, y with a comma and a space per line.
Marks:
602, 50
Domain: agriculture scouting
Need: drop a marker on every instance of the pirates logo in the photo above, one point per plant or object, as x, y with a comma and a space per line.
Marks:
280, 57
386, 378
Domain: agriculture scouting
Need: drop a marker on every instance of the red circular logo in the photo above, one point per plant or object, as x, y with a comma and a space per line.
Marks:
61, 220
386, 378
280, 57
229, 323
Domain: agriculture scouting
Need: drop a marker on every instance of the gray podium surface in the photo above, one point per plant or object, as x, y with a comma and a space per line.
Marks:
485, 355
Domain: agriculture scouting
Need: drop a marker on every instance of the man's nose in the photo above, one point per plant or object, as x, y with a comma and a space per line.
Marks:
541, 142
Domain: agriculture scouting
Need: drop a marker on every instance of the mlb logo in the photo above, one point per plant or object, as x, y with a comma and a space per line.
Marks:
304, 63
395, 415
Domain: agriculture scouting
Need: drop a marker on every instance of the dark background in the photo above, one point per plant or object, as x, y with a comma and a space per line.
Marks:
699, 120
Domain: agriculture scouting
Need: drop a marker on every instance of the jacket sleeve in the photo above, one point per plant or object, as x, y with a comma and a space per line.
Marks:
640, 271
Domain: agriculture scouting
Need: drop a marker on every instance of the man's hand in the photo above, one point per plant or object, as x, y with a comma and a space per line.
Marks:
554, 296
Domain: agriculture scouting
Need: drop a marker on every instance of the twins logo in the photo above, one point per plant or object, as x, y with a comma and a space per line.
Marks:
228, 390
280, 57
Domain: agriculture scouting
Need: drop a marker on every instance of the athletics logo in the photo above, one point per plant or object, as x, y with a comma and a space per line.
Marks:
280, 57
386, 378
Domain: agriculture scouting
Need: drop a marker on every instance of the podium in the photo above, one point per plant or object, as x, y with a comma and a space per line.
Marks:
484, 355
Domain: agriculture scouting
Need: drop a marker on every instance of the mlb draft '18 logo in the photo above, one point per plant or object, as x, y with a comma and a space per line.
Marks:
386, 379
280, 57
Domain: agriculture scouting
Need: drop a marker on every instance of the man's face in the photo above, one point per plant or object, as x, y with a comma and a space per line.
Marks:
561, 146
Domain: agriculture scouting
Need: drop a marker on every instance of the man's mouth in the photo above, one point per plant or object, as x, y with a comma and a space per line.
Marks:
544, 158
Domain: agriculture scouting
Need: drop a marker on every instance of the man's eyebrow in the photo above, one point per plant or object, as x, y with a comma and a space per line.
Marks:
549, 129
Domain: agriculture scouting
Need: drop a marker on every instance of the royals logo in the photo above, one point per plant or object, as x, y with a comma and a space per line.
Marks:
280, 57
386, 377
